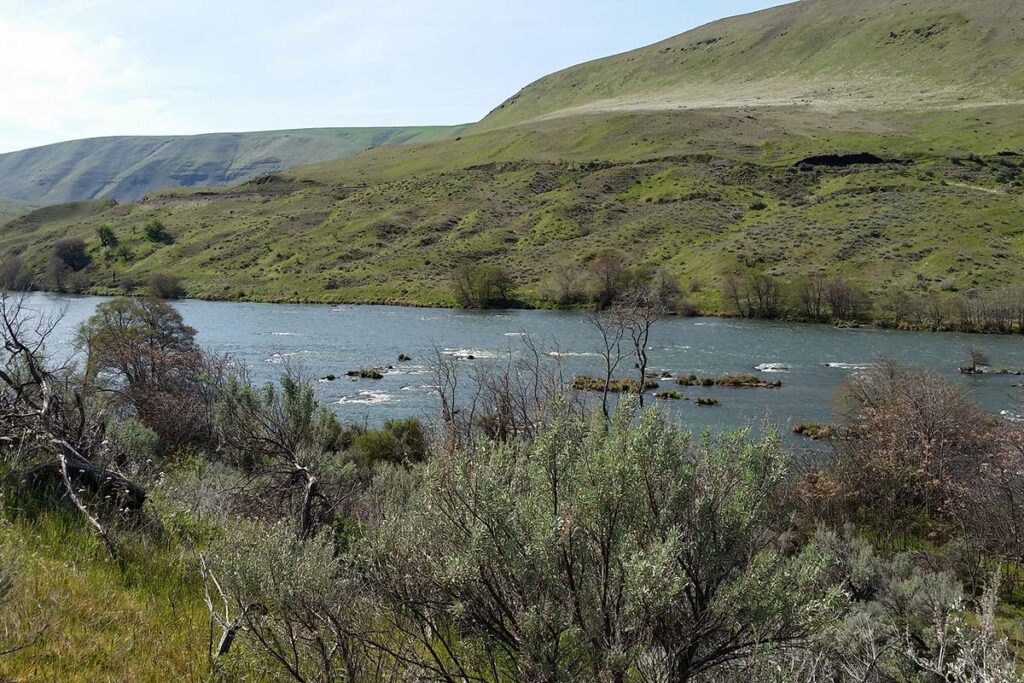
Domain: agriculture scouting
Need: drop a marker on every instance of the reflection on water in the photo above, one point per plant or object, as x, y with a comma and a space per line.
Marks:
811, 360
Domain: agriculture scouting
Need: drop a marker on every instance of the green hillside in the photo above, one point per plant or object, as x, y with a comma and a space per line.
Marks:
127, 168
10, 209
820, 54
932, 225
563, 173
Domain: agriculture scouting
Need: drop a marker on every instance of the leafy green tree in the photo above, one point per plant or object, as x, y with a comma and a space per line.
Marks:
124, 252
131, 337
107, 236
67, 261
145, 356
71, 253
482, 286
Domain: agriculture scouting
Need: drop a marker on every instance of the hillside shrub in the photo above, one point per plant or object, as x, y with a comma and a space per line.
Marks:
70, 252
593, 553
165, 286
157, 232
399, 442
14, 274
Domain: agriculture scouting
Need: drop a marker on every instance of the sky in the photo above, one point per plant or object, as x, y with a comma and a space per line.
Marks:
72, 69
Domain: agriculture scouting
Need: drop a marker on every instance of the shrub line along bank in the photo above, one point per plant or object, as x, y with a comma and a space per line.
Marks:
748, 291
542, 306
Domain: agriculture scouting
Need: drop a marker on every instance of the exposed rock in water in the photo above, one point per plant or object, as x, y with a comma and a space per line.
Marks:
735, 381
815, 432
615, 386
985, 370
366, 373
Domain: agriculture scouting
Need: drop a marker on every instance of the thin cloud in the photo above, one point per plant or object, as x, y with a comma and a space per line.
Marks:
56, 84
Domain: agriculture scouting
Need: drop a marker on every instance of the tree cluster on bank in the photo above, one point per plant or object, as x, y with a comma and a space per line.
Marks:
527, 536
754, 293
599, 285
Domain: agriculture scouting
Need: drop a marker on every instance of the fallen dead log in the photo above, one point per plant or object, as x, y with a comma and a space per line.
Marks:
99, 482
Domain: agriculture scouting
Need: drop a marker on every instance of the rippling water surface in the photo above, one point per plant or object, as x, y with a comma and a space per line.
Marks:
811, 360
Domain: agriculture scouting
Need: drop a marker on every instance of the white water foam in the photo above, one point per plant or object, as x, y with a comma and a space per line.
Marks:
848, 366
280, 358
367, 398
772, 367
423, 388
717, 324
466, 353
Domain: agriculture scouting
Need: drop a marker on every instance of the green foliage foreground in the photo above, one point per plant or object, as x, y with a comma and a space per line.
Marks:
595, 552
167, 519
618, 552
625, 552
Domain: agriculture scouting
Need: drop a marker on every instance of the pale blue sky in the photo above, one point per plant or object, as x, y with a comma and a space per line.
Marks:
83, 68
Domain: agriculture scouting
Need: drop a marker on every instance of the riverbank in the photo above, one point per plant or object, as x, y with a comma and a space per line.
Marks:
339, 298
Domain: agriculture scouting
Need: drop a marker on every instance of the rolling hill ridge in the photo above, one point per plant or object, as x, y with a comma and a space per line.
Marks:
828, 54
127, 168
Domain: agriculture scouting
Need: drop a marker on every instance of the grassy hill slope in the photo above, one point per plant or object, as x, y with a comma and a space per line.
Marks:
701, 190
930, 225
127, 168
9, 209
827, 54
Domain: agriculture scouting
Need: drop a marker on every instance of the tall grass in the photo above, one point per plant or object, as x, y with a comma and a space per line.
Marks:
140, 620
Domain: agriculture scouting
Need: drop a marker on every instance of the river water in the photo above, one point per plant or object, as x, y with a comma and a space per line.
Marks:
326, 340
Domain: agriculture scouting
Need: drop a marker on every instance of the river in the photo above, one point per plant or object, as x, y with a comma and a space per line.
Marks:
331, 340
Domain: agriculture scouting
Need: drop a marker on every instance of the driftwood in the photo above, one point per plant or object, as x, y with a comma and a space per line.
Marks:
85, 475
